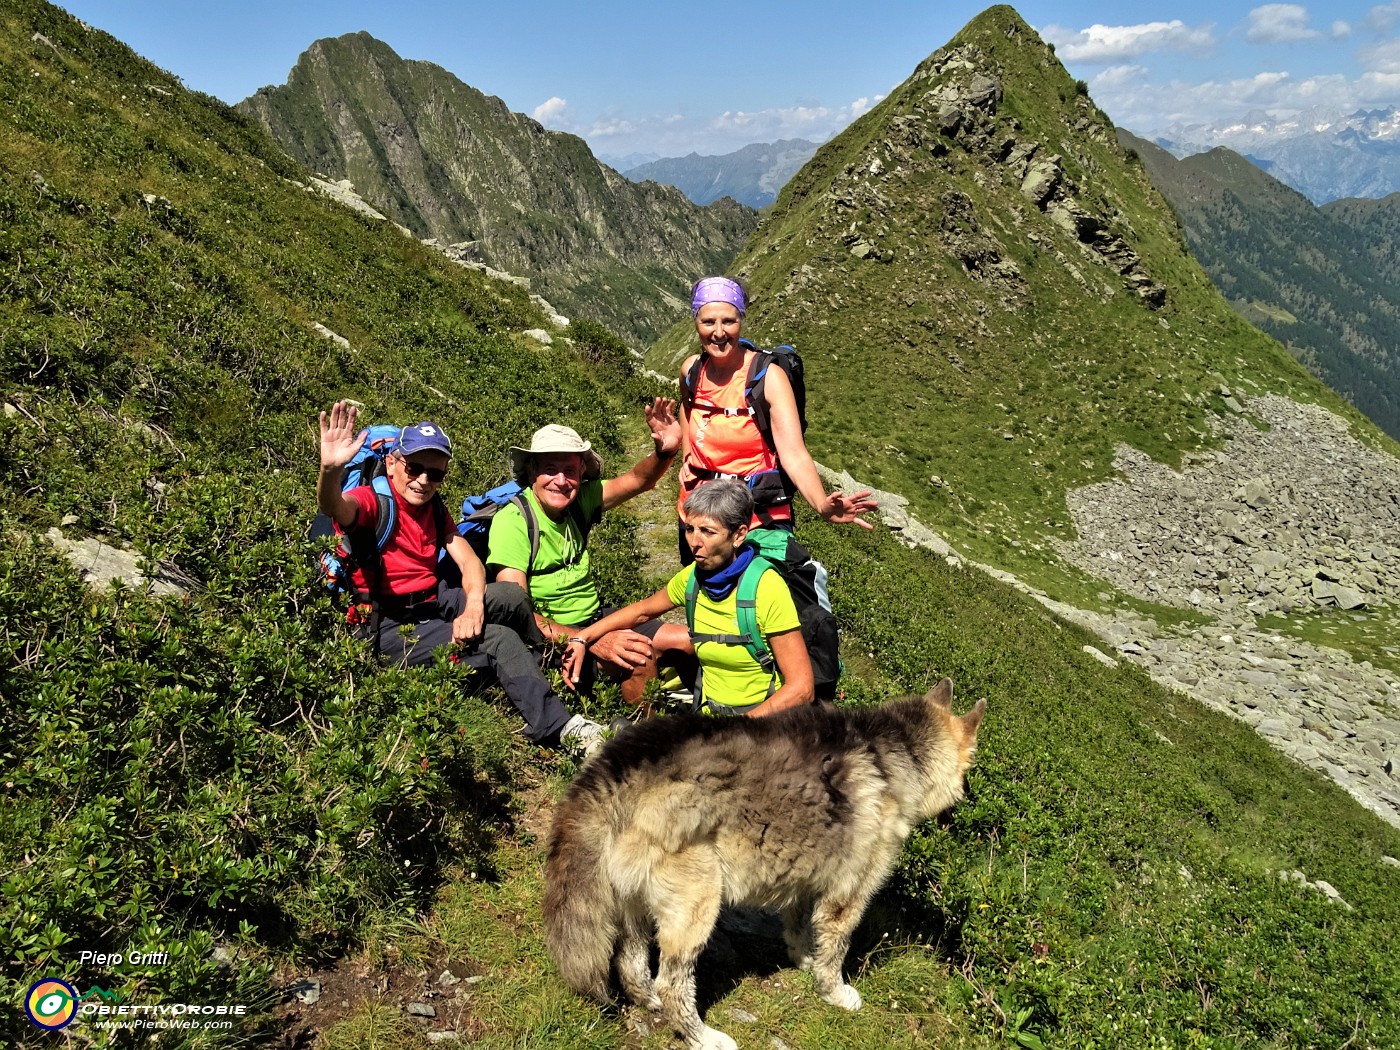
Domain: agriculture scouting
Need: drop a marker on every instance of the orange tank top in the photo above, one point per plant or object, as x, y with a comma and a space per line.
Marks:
725, 439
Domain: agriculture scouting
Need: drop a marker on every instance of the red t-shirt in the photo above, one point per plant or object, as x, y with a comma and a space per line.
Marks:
410, 559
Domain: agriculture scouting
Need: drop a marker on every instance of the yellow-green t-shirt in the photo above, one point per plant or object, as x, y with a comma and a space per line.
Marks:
568, 594
732, 677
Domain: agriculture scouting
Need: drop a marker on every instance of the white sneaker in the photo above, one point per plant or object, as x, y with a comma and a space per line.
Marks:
583, 733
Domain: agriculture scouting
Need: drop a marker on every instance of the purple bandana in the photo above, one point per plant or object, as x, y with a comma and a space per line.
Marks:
717, 290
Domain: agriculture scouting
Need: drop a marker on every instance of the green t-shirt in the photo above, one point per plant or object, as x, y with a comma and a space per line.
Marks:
567, 596
732, 677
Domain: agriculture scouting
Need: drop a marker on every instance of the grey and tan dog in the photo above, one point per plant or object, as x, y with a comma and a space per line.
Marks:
805, 812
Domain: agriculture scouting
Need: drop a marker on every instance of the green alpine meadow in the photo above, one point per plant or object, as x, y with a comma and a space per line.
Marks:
206, 775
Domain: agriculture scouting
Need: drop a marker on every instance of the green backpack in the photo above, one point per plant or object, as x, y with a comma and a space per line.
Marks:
749, 636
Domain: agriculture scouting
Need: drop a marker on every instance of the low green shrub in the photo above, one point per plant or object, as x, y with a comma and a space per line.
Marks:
231, 762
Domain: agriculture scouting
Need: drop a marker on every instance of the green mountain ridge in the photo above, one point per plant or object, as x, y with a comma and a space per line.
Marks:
451, 163
1320, 280
227, 780
990, 292
1379, 222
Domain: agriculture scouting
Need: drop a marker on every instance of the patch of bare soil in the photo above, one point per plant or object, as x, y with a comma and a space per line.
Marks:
435, 997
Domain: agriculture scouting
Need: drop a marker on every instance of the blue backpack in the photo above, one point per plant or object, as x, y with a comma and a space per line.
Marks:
363, 547
479, 511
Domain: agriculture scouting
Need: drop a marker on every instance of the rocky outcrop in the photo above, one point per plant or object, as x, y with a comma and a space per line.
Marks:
1293, 512
1286, 515
101, 565
964, 101
1314, 703
1333, 527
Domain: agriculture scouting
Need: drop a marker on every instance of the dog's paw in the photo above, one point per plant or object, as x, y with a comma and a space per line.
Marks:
844, 996
712, 1039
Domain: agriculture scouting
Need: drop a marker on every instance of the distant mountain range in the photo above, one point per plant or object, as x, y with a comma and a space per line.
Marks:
624, 161
449, 162
1323, 281
1322, 154
752, 175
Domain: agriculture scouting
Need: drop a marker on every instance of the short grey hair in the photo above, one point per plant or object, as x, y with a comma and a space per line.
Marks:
725, 501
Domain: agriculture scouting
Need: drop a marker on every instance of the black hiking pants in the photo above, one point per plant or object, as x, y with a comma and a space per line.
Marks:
504, 649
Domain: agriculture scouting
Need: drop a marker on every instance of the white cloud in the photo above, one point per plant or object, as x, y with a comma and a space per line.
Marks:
1100, 43
1118, 78
1341, 30
1382, 17
807, 122
610, 128
1149, 108
1377, 90
1279, 24
674, 135
551, 110
1382, 58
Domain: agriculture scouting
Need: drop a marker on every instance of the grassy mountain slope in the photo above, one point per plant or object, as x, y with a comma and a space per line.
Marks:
449, 162
225, 767
228, 778
988, 290
1317, 284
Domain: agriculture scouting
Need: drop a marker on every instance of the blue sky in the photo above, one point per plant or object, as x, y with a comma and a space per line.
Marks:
649, 77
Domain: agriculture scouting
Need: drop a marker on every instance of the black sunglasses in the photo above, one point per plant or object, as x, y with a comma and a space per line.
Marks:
435, 474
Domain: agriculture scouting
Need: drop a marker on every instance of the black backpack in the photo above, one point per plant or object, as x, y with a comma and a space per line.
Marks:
806, 579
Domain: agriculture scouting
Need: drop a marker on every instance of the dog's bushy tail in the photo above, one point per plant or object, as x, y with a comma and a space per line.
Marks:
581, 911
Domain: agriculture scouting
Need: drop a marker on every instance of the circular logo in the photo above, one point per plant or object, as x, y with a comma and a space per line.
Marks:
51, 1004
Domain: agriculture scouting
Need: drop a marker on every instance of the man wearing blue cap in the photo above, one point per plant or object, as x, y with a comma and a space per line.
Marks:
494, 623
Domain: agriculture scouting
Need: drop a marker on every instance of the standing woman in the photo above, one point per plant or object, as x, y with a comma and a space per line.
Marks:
721, 439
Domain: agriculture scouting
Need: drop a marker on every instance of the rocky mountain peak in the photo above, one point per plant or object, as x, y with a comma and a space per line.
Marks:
455, 165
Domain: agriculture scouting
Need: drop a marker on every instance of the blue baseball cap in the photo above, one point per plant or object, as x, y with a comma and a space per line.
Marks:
424, 437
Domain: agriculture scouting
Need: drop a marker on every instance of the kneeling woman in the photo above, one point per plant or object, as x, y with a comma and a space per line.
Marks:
717, 517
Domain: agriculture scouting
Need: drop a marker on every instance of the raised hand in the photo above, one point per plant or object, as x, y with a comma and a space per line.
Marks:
842, 509
339, 439
664, 425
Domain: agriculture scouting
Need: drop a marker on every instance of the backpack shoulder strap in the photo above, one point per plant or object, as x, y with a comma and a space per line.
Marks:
692, 587
754, 395
746, 608
365, 546
388, 517
443, 522
746, 603
532, 528
691, 382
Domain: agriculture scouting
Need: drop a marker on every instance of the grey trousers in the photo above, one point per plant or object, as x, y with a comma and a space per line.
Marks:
504, 649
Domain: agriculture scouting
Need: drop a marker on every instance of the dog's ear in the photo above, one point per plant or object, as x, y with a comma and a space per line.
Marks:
941, 694
973, 718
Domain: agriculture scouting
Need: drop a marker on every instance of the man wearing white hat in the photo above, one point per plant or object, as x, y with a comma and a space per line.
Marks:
566, 493
403, 607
